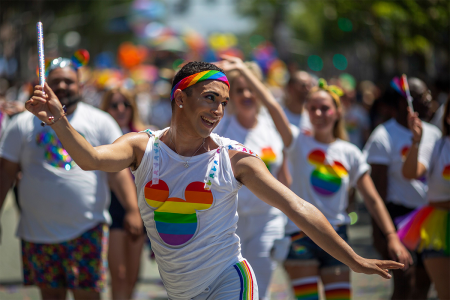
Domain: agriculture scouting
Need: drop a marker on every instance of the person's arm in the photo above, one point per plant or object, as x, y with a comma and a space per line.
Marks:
378, 211
379, 177
412, 168
121, 183
254, 175
8, 174
123, 153
284, 176
276, 112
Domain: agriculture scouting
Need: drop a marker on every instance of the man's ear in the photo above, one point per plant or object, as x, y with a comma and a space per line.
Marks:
179, 97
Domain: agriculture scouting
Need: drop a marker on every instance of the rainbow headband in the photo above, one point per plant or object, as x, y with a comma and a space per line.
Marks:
195, 78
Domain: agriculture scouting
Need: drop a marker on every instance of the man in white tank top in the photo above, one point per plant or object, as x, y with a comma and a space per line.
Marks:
187, 181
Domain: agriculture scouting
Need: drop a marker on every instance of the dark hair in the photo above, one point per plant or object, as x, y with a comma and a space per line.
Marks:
192, 68
445, 125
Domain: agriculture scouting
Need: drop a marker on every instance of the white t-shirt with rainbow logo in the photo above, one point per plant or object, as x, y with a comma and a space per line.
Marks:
323, 174
190, 213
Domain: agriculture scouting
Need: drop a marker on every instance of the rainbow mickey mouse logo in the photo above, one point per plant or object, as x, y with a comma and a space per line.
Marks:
175, 218
326, 179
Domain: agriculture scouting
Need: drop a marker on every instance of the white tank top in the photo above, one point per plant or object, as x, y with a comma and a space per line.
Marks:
189, 213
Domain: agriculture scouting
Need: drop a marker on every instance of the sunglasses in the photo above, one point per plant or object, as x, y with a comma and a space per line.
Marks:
116, 105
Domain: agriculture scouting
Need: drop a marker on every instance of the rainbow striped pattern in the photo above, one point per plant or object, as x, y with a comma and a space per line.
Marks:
325, 179
175, 218
338, 291
246, 277
400, 85
306, 288
80, 58
54, 153
425, 228
268, 156
195, 78
446, 172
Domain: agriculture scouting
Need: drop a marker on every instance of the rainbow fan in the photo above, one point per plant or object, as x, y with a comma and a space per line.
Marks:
80, 58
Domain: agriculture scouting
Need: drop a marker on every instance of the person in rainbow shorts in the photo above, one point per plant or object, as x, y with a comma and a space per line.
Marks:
187, 181
324, 167
427, 229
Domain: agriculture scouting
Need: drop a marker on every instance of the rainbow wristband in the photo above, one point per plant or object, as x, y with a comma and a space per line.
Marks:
195, 78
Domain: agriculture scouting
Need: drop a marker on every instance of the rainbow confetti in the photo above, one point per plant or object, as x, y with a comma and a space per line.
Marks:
175, 218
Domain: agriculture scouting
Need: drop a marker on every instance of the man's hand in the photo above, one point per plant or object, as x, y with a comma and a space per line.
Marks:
375, 266
45, 105
415, 125
132, 223
398, 252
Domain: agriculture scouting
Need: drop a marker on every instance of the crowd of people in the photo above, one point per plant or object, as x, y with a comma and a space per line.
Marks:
214, 135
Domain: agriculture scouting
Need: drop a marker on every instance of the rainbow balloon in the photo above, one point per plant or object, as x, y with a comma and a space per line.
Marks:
176, 218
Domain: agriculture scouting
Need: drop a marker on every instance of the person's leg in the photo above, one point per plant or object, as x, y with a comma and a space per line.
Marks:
336, 282
304, 276
263, 230
86, 263
421, 281
439, 270
236, 282
42, 266
53, 293
80, 294
133, 260
116, 264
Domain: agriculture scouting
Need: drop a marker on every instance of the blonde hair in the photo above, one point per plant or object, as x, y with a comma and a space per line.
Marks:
334, 92
135, 122
235, 74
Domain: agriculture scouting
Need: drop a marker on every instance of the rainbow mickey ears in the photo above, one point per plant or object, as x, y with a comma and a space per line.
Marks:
330, 88
80, 58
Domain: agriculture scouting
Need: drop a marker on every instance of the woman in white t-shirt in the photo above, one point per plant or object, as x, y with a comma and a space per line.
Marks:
325, 167
187, 180
427, 229
259, 224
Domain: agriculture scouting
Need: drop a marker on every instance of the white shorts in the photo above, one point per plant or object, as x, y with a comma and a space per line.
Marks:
236, 282
257, 234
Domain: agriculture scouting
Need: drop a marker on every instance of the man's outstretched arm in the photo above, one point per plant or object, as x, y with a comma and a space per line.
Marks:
254, 175
123, 153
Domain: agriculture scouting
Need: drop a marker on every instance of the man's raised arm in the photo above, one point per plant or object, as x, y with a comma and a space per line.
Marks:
123, 153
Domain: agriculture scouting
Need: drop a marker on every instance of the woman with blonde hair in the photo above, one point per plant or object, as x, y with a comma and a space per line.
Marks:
259, 224
124, 252
325, 167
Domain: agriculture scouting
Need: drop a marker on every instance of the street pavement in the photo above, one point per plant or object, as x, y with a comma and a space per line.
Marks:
150, 286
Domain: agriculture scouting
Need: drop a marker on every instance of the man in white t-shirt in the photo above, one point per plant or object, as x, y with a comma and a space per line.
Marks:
64, 210
386, 150
297, 89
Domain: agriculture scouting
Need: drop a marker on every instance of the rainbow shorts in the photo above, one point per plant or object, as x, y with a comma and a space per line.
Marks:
76, 264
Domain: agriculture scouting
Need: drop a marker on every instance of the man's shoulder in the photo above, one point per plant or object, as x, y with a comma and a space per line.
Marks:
432, 129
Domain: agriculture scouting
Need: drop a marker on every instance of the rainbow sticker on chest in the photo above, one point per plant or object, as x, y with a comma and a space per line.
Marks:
326, 179
176, 219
